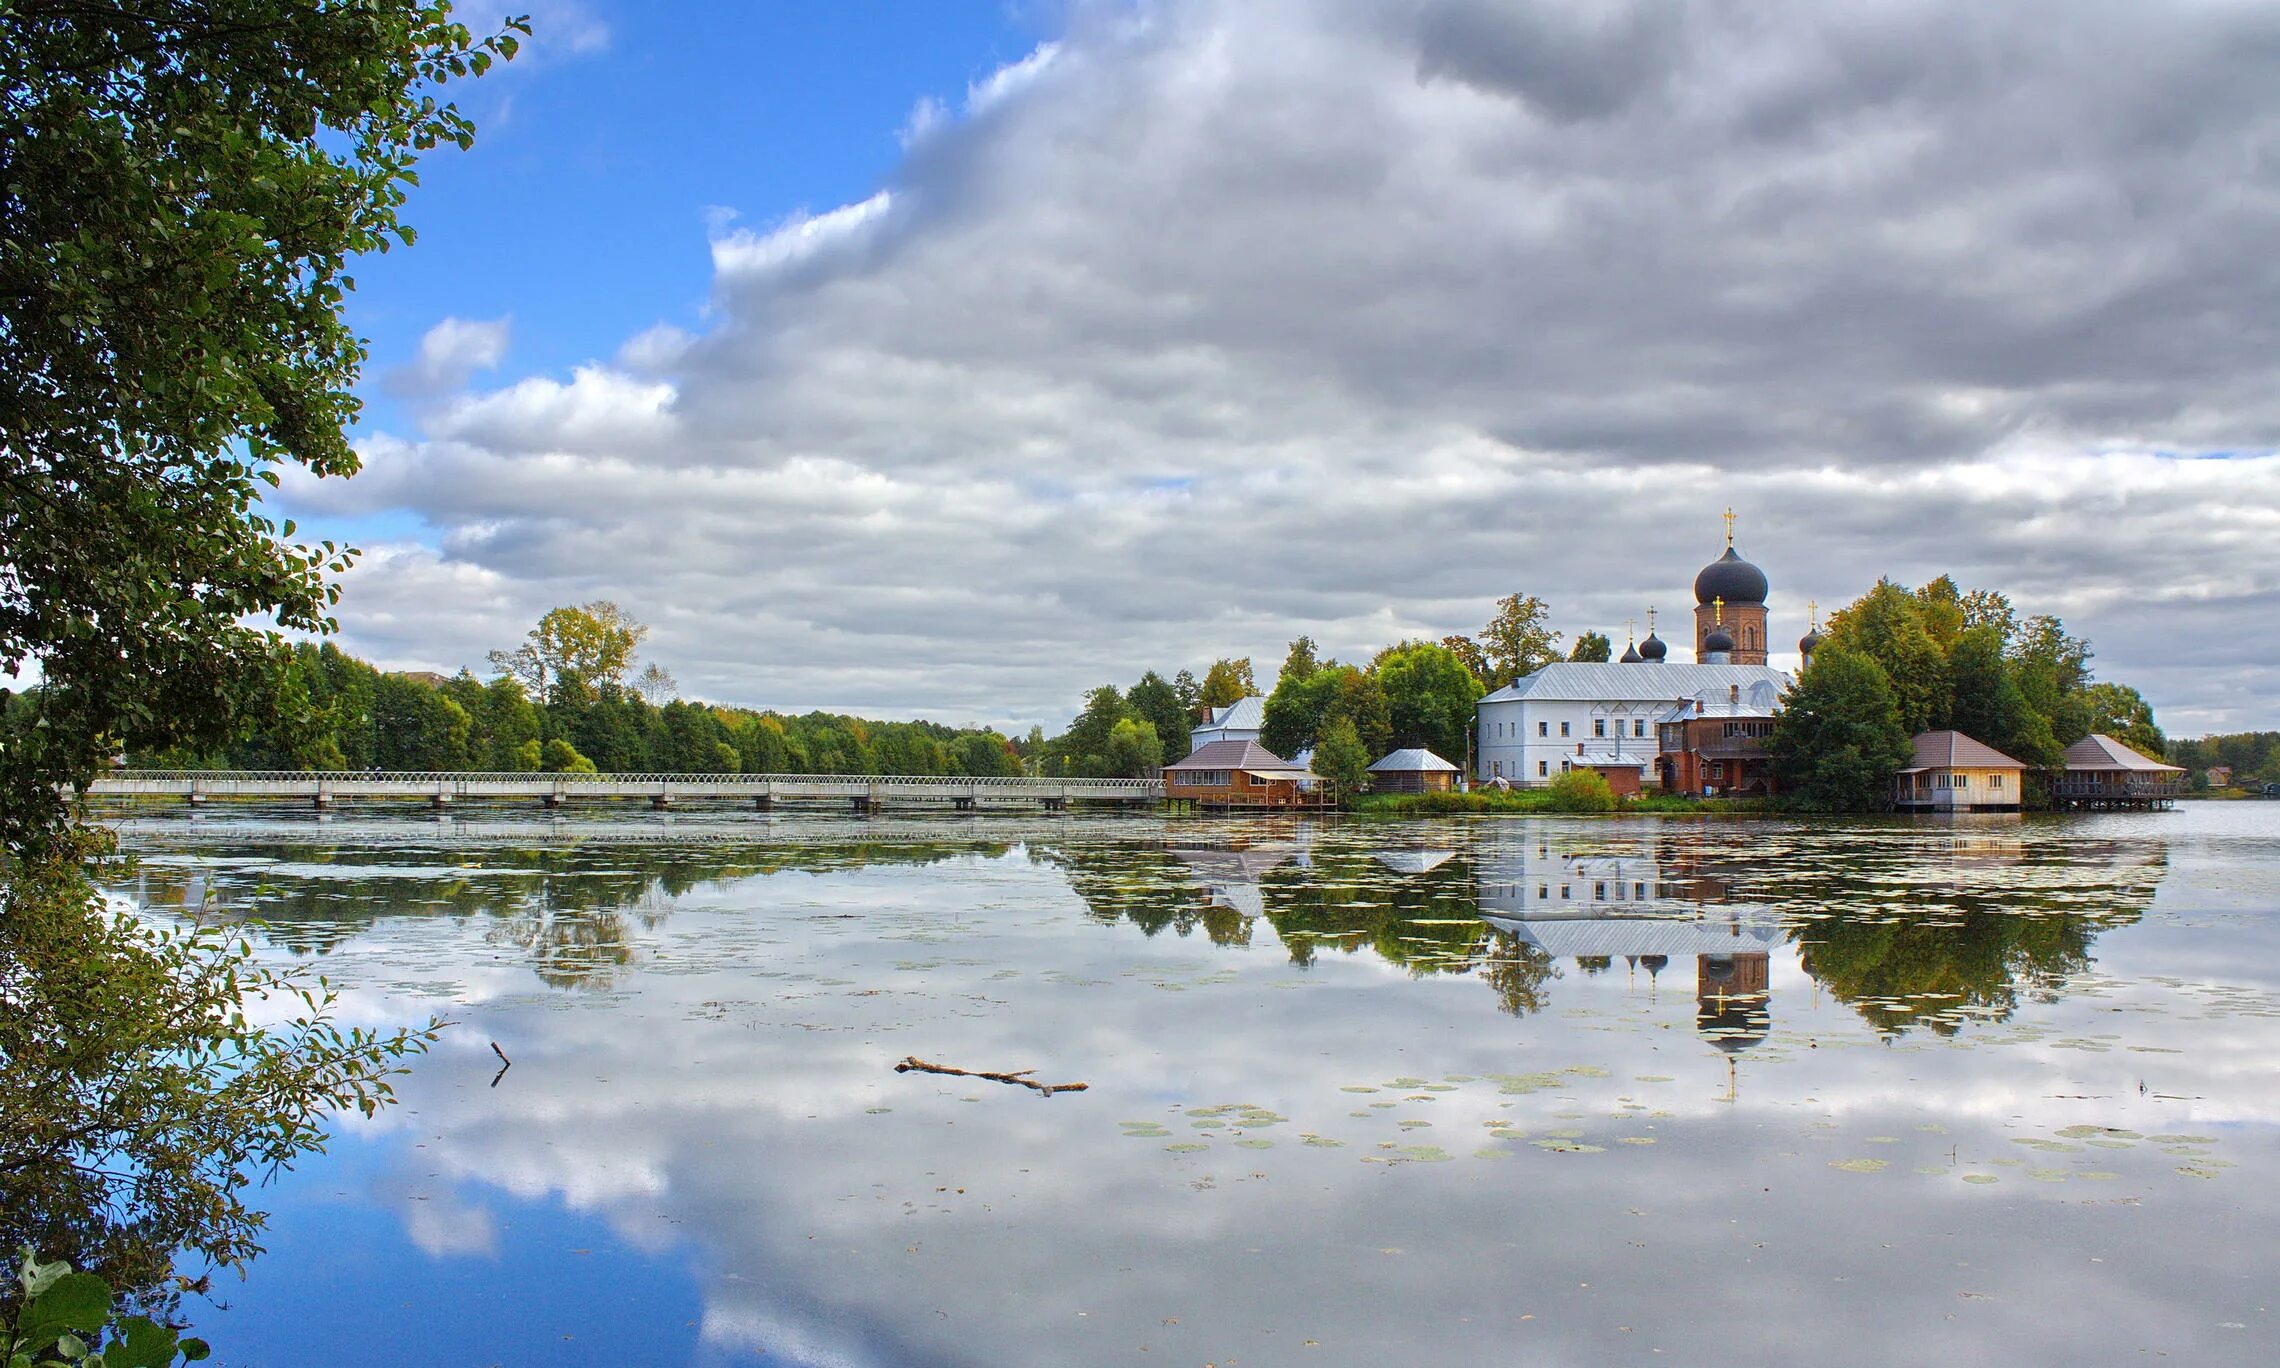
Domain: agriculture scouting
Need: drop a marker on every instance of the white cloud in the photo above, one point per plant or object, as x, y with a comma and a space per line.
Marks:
1215, 323
451, 353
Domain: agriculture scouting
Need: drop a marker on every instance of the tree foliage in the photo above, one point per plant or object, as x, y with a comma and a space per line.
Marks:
1227, 681
1593, 646
1340, 757
589, 647
1430, 696
184, 189
1839, 739
1519, 640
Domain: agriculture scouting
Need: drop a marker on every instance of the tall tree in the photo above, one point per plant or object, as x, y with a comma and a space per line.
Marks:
183, 192
2122, 713
1191, 694
1468, 650
1989, 704
1298, 662
1887, 626
183, 187
1430, 696
1227, 681
1519, 640
592, 645
1156, 701
1132, 750
1340, 756
656, 685
1838, 739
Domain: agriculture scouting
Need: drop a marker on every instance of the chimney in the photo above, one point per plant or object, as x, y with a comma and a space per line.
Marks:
1734, 696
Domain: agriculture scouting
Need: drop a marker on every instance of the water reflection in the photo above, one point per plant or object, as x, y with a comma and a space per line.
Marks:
1304, 1107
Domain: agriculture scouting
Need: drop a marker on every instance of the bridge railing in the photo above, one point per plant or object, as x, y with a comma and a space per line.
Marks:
428, 780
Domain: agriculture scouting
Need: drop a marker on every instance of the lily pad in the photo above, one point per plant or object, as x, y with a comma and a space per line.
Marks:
1860, 1165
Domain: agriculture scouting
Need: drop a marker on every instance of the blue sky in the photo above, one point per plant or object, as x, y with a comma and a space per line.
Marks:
1175, 329
606, 151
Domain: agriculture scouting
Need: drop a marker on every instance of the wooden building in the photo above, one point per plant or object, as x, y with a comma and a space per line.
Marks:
1243, 774
2101, 772
1415, 770
1950, 772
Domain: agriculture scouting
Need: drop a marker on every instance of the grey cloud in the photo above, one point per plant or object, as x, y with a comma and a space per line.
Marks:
1219, 324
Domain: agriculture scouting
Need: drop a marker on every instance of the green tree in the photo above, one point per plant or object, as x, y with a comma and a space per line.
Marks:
1227, 681
1190, 693
593, 645
1430, 696
1084, 748
1838, 739
1299, 662
1989, 704
1157, 702
558, 756
2122, 713
1468, 650
1132, 750
1887, 625
184, 194
1519, 640
1340, 757
1593, 646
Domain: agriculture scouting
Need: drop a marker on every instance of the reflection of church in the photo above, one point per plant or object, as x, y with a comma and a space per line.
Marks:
1594, 909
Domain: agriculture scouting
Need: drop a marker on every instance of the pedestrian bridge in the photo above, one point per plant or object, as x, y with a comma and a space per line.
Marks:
864, 793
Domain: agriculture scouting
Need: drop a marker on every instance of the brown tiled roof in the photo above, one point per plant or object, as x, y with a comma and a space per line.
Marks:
2098, 751
1954, 750
1235, 755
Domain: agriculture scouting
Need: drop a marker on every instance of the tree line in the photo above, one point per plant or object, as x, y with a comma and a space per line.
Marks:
2253, 756
1412, 693
1899, 661
561, 702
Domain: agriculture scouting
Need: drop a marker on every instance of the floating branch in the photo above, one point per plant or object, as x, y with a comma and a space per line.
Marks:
504, 1063
1020, 1076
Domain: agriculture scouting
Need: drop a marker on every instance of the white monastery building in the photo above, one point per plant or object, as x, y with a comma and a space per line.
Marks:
1605, 715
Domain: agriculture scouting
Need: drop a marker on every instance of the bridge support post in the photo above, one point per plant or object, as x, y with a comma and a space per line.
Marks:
764, 802
864, 804
195, 798
963, 804
439, 801
323, 800
553, 801
661, 803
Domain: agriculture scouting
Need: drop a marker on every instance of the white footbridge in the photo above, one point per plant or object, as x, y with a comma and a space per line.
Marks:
863, 793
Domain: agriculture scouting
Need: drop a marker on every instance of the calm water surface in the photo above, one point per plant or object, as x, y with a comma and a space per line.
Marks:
1562, 1091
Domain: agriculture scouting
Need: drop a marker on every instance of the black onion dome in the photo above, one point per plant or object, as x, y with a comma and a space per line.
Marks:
1630, 655
1652, 648
1809, 643
1719, 640
1730, 578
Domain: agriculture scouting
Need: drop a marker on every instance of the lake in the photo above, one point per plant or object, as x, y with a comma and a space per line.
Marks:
1561, 1091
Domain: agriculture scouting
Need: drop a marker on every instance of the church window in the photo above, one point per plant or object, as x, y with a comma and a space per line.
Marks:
1599, 726
1543, 729
1543, 767
1563, 728
1599, 891
1639, 727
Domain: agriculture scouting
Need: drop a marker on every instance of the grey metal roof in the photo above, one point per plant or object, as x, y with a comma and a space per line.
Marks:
1414, 760
1954, 750
1244, 714
1587, 681
1592, 933
1235, 755
2098, 751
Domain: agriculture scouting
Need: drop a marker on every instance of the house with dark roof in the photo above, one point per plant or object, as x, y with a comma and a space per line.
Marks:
2101, 772
1242, 774
1950, 772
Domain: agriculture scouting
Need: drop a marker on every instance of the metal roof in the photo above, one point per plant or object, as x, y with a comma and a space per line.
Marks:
2098, 751
1244, 714
1954, 750
1236, 755
1414, 760
1587, 681
1590, 933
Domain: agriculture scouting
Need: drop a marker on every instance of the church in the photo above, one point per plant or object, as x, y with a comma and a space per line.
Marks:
1608, 716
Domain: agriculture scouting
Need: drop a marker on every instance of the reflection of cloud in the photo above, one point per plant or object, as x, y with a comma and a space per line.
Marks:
734, 1095
441, 1226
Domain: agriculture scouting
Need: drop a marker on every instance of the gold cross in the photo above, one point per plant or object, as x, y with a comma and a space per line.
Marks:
1630, 629
1813, 614
1729, 524
1718, 606
1650, 619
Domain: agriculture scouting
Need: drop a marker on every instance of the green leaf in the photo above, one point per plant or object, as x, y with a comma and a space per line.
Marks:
75, 1301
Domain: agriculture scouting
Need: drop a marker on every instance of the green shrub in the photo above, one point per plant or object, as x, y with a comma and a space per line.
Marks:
1581, 790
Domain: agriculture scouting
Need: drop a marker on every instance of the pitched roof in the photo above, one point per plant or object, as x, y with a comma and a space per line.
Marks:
1954, 750
1650, 682
1244, 714
2098, 751
1411, 761
1235, 755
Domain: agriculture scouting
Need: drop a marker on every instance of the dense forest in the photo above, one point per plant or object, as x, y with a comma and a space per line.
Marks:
2253, 756
326, 710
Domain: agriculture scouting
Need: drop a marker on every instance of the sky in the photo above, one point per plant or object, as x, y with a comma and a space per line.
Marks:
948, 358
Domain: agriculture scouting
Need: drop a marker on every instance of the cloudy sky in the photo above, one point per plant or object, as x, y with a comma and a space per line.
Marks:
948, 358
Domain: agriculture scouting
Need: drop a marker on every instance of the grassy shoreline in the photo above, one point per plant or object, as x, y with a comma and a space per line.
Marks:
1544, 801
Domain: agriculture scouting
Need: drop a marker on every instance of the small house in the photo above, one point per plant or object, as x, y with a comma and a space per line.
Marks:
2220, 776
2101, 772
1241, 774
1950, 772
1415, 770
